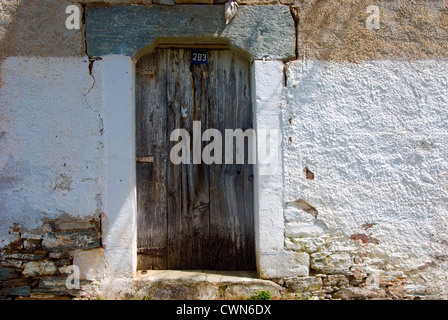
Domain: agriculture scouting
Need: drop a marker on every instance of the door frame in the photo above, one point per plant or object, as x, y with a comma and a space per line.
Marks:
267, 34
119, 230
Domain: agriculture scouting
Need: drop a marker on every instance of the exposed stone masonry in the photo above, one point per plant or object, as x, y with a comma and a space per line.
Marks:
34, 265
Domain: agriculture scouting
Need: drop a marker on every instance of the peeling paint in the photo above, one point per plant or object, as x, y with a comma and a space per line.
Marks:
363, 238
51, 156
64, 183
305, 206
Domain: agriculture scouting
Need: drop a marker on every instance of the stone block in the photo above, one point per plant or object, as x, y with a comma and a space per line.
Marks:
7, 273
358, 293
59, 255
194, 1
257, 2
67, 223
63, 262
15, 241
31, 245
164, 2
294, 214
262, 31
25, 256
333, 263
244, 291
31, 236
336, 280
113, 2
57, 286
44, 296
91, 264
58, 283
17, 291
309, 245
303, 230
39, 268
12, 263
304, 284
71, 240
64, 270
19, 282
284, 264
416, 289
289, 2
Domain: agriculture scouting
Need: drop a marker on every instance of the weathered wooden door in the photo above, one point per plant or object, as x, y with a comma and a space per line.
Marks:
192, 216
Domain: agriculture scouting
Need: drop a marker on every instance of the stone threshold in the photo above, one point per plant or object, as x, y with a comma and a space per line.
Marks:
190, 285
197, 275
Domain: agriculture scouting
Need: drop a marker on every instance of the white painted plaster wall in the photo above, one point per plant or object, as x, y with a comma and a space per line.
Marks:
375, 134
51, 143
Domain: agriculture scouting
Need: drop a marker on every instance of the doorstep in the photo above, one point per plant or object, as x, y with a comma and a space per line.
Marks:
190, 285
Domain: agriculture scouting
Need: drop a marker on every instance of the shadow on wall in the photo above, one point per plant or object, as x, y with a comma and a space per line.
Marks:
37, 28
331, 30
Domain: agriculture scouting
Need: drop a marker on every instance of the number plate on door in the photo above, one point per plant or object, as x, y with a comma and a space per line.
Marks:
199, 57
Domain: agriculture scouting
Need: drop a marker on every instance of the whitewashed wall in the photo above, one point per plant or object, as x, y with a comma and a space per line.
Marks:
359, 110
375, 135
51, 145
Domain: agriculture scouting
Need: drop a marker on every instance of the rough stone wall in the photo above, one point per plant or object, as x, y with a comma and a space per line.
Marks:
35, 265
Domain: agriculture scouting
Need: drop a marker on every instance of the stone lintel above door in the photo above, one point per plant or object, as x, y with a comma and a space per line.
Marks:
261, 31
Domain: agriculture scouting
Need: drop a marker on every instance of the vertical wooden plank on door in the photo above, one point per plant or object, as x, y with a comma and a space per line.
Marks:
222, 192
199, 182
243, 120
184, 82
176, 224
231, 186
236, 120
188, 184
151, 141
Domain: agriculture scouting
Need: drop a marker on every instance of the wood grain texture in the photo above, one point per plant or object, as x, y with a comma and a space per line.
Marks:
202, 214
151, 139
